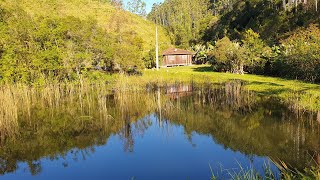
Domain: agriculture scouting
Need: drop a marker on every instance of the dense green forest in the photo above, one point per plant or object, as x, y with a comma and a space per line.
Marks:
66, 40
271, 37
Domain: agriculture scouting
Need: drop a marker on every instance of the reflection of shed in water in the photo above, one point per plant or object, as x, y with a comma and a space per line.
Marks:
181, 90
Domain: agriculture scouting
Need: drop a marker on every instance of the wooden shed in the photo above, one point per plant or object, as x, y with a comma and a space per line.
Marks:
177, 57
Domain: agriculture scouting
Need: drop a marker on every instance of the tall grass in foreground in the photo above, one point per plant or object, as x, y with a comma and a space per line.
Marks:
286, 173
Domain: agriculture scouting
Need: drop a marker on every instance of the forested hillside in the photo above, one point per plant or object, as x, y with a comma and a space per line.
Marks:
271, 37
184, 19
62, 39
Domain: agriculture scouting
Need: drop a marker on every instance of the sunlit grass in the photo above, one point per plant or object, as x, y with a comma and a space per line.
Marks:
251, 173
105, 15
299, 95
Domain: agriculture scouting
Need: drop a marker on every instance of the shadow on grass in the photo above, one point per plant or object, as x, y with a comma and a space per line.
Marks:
270, 88
269, 92
202, 69
263, 83
274, 88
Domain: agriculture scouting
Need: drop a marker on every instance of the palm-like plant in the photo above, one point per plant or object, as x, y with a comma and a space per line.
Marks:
201, 53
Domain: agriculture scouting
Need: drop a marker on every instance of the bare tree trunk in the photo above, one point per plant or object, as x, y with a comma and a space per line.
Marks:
284, 4
316, 5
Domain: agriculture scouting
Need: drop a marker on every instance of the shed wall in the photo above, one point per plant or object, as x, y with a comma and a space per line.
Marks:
175, 60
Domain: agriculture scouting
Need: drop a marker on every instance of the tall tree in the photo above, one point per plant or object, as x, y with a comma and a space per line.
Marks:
117, 3
137, 7
182, 18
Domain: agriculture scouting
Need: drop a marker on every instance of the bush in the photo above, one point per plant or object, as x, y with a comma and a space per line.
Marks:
300, 55
228, 56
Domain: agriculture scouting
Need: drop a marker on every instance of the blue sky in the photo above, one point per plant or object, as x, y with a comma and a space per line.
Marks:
148, 2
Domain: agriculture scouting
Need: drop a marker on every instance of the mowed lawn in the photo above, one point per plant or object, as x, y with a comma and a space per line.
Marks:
306, 95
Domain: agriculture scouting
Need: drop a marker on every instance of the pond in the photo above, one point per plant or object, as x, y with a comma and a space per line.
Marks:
176, 132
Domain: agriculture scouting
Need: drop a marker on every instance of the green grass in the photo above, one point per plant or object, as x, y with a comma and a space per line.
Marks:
297, 94
250, 173
107, 17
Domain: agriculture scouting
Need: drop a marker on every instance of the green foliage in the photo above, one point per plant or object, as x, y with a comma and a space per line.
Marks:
202, 53
49, 42
128, 53
228, 56
183, 19
256, 52
265, 17
149, 59
262, 28
49, 47
300, 55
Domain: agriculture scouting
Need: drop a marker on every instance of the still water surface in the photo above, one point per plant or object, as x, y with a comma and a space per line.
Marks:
176, 132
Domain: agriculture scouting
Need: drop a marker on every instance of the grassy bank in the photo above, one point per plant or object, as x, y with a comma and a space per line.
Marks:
299, 95
250, 173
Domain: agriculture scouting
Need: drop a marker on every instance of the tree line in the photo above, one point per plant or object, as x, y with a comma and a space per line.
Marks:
135, 6
270, 37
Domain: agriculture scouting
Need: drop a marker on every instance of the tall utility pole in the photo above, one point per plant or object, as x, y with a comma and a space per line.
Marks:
157, 49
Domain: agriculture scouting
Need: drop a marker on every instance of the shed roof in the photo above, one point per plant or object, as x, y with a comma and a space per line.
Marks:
176, 51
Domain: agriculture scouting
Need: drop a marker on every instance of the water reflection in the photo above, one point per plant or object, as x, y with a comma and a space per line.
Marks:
238, 123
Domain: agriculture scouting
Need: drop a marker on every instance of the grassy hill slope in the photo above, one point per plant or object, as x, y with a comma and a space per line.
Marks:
106, 15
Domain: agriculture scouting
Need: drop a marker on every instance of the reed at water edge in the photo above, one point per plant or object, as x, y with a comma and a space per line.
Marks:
19, 102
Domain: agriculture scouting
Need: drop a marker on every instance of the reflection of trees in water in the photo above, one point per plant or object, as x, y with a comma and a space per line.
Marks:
232, 96
245, 122
74, 125
131, 130
131, 108
127, 136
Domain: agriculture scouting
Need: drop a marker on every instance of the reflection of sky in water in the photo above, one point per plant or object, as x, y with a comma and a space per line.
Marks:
159, 153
